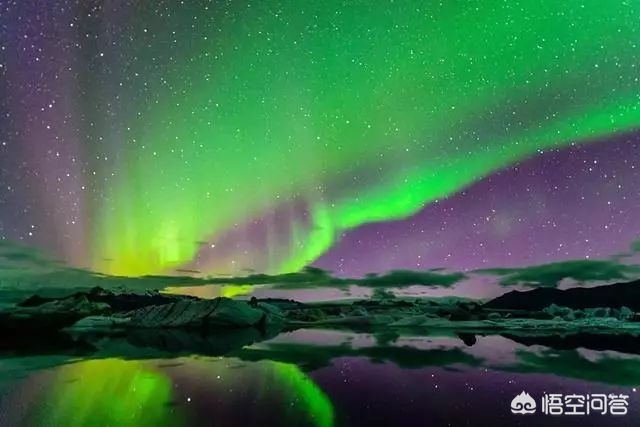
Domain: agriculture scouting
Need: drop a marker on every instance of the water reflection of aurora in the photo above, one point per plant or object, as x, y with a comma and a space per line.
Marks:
135, 393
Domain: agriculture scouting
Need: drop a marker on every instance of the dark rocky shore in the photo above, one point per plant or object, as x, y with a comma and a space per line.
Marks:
176, 324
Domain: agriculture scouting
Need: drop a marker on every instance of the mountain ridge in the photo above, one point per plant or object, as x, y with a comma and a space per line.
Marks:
614, 295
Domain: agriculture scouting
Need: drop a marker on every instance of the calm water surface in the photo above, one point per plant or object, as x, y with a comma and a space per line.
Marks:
316, 378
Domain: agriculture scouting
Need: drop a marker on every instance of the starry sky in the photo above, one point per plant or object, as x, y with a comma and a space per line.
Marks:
231, 137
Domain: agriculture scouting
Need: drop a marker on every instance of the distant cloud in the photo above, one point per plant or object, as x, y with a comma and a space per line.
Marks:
31, 276
634, 250
26, 270
550, 275
404, 278
12, 256
312, 277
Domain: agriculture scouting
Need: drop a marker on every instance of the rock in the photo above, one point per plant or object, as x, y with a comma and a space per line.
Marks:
50, 315
313, 315
120, 302
467, 305
34, 301
579, 314
78, 305
540, 315
99, 323
381, 319
598, 312
218, 312
625, 313
460, 314
268, 308
556, 310
117, 301
468, 339
283, 304
360, 311
418, 320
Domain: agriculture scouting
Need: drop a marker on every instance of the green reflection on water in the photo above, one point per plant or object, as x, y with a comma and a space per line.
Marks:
107, 392
314, 400
125, 393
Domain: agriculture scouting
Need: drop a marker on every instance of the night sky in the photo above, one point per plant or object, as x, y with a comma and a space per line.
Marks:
145, 137
482, 143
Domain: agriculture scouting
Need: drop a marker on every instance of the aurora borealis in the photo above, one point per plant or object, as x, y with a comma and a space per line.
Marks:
314, 150
143, 138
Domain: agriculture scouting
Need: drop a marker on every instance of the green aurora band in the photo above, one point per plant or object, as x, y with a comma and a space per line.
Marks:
357, 113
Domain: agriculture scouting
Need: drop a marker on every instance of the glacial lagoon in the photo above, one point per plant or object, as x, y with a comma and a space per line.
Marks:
318, 377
